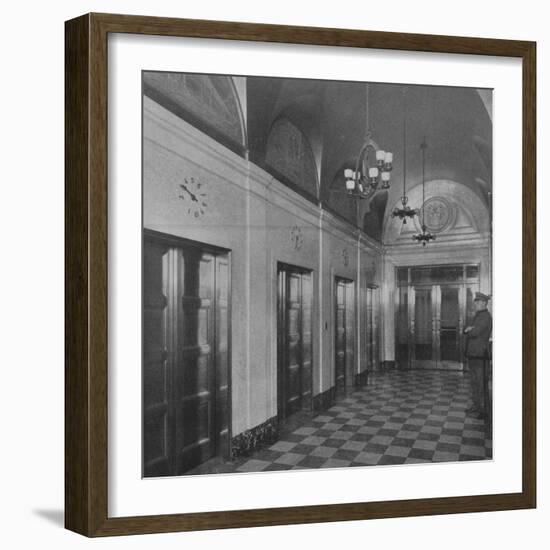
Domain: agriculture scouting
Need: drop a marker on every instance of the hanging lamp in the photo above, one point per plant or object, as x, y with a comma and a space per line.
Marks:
425, 236
406, 211
363, 181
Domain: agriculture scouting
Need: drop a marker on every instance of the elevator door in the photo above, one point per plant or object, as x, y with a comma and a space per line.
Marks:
423, 326
185, 355
433, 305
294, 341
437, 318
449, 325
343, 333
371, 328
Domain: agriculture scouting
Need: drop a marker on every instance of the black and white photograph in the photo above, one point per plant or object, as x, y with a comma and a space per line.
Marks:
274, 275
316, 274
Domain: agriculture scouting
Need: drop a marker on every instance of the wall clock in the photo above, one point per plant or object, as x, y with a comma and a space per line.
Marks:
193, 193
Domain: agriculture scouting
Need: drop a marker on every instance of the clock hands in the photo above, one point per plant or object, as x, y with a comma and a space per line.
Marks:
192, 195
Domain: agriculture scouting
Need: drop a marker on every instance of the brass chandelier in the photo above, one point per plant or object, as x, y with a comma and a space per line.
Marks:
368, 176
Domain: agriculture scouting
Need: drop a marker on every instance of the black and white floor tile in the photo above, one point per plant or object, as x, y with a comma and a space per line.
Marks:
400, 417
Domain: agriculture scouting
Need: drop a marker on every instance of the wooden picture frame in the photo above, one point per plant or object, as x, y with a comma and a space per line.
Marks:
86, 220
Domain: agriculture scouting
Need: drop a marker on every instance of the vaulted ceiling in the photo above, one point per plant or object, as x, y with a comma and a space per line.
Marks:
456, 123
306, 132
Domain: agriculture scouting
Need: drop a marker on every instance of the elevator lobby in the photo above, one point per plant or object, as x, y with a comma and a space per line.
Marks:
292, 319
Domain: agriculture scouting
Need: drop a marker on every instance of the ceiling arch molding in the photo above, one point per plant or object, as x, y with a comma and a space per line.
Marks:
211, 103
239, 90
456, 213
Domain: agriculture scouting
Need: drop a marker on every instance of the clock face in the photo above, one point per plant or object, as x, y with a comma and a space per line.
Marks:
193, 194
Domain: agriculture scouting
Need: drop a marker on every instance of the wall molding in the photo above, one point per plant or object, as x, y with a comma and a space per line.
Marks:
339, 228
246, 176
461, 252
194, 141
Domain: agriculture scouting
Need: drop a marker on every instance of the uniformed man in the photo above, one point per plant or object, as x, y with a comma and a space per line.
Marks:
477, 339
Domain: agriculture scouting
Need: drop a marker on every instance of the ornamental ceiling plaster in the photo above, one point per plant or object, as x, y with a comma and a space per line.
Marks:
463, 214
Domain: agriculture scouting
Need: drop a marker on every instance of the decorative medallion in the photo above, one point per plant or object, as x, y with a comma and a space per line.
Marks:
296, 237
345, 257
439, 214
193, 193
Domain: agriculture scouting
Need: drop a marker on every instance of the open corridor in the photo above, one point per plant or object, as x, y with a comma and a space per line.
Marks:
292, 315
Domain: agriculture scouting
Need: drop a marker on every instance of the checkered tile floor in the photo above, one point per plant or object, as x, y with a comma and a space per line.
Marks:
401, 417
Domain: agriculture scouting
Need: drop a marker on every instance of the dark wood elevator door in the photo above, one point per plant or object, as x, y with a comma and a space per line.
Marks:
371, 319
185, 356
343, 332
158, 414
294, 340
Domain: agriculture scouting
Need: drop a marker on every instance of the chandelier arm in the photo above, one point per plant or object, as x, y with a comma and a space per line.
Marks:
364, 150
368, 190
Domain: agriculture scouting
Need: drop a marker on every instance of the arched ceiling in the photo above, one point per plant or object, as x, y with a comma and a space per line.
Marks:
273, 99
453, 211
209, 102
456, 123
330, 117
457, 128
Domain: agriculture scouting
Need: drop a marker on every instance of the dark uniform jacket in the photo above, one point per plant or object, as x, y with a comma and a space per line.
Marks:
478, 338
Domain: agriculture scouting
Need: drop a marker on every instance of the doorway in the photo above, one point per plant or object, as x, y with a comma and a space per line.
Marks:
185, 368
294, 340
344, 340
433, 305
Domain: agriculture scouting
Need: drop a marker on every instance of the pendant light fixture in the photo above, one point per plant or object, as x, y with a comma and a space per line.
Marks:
425, 236
365, 180
406, 211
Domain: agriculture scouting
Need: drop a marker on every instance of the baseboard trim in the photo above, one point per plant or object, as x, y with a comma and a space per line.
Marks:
248, 441
361, 378
324, 400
